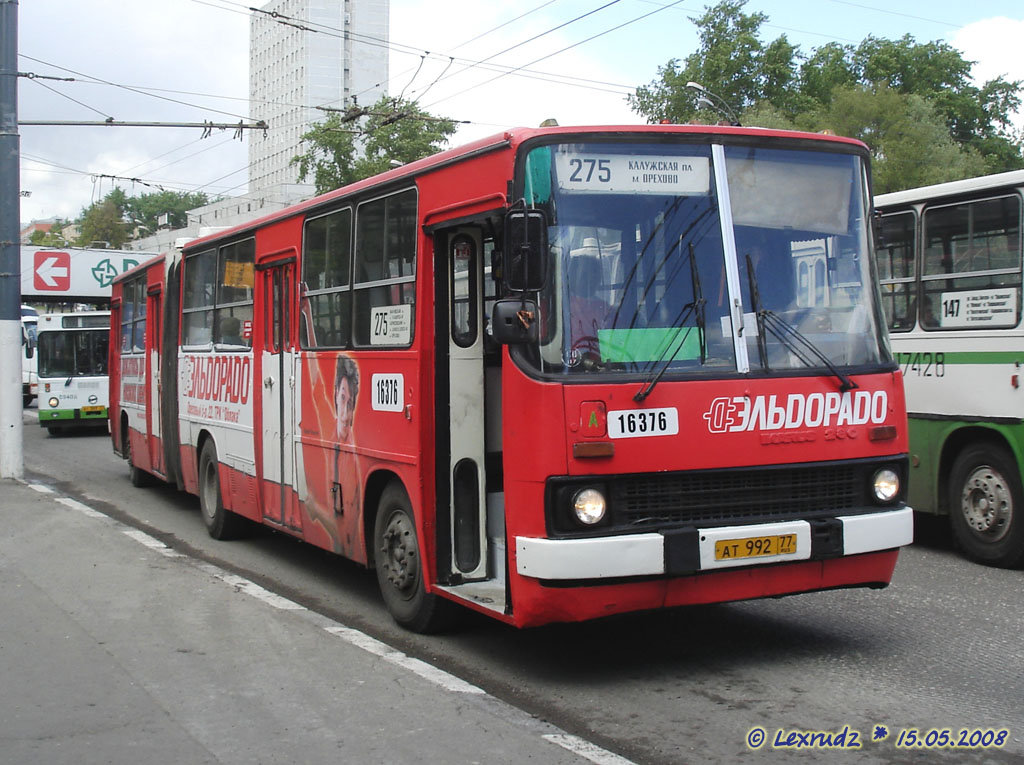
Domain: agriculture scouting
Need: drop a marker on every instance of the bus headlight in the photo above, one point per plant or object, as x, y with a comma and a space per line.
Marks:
886, 485
53, 402
589, 505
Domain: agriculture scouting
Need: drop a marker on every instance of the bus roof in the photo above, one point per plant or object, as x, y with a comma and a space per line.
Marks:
952, 188
74, 320
52, 318
124, 275
512, 139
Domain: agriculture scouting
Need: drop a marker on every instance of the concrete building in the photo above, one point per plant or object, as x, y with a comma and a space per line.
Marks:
35, 226
338, 54
312, 53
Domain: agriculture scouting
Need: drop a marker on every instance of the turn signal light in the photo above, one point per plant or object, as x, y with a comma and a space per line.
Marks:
882, 433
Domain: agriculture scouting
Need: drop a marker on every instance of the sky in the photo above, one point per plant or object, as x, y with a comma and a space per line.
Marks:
572, 60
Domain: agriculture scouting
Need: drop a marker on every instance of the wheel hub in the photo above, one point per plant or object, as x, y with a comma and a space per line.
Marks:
399, 552
986, 503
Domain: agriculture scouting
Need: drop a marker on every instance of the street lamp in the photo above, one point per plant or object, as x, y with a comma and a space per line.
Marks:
137, 224
707, 98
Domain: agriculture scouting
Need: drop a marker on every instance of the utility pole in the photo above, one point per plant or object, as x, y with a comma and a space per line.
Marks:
11, 456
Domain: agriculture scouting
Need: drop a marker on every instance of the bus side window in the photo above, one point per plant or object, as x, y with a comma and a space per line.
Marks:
896, 257
325, 316
970, 247
197, 307
385, 268
234, 295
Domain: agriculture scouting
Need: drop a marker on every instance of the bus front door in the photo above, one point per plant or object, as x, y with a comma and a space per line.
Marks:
277, 386
466, 468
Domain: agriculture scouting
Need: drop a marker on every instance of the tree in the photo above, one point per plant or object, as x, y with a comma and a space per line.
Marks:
51, 238
964, 128
103, 222
133, 213
909, 140
827, 68
349, 146
731, 63
940, 74
146, 209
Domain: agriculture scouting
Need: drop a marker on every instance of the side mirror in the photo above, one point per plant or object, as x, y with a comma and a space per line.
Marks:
526, 250
514, 321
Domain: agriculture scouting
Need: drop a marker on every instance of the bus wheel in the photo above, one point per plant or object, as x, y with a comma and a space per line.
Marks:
220, 522
136, 475
985, 506
27, 399
400, 567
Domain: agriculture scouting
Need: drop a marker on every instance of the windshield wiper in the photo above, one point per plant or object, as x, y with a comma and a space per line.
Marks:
788, 335
755, 302
780, 328
695, 307
690, 231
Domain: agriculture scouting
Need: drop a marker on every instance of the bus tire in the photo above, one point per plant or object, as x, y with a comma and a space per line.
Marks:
26, 399
220, 522
986, 506
138, 476
400, 567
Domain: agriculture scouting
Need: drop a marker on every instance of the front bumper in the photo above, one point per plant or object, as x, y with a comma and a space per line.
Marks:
51, 417
689, 551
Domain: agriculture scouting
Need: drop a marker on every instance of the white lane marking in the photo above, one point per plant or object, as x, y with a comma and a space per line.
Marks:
144, 539
427, 671
152, 543
74, 504
586, 750
446, 680
251, 588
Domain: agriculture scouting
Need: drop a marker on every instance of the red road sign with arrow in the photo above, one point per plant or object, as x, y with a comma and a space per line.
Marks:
51, 271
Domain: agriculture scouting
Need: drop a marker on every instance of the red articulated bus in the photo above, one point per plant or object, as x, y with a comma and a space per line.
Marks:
553, 375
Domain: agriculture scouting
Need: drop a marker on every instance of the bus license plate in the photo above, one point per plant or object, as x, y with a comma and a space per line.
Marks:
755, 547
92, 409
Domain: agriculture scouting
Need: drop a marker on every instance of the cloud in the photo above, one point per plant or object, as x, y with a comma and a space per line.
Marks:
176, 45
994, 47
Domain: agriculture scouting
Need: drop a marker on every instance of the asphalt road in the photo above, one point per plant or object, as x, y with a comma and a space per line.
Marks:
935, 657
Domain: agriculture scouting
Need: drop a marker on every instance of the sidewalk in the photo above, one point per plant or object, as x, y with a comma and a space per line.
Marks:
114, 648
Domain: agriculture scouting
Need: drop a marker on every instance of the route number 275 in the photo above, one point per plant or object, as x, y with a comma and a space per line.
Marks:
583, 170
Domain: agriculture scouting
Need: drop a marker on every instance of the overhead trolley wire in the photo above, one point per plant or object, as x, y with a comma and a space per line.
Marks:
132, 90
69, 98
563, 50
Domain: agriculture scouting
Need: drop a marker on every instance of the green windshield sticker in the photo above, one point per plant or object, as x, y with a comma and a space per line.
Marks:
538, 176
649, 344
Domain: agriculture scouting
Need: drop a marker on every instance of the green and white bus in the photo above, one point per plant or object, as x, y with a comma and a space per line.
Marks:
949, 263
72, 352
29, 378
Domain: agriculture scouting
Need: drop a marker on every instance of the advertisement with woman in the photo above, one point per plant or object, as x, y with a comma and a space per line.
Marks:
331, 463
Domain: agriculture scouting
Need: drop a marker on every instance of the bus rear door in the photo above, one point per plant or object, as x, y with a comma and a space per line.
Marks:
276, 385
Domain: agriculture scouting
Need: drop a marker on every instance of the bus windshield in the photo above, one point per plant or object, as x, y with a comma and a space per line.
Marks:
647, 275
79, 353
